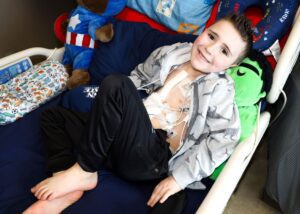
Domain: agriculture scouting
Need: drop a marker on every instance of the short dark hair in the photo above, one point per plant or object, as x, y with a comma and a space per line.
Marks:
243, 25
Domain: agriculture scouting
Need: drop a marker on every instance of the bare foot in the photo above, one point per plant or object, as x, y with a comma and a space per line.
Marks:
71, 180
54, 206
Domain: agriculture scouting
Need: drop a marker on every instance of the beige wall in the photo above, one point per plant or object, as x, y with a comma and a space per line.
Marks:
29, 23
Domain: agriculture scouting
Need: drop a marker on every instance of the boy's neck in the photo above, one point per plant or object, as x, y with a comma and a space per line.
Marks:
191, 71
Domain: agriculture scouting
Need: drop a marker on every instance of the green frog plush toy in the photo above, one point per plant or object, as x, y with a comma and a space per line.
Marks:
252, 79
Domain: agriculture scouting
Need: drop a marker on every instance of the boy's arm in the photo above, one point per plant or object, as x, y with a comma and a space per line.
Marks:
217, 143
212, 148
143, 72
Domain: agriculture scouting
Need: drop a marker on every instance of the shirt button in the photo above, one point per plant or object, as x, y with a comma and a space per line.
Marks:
156, 170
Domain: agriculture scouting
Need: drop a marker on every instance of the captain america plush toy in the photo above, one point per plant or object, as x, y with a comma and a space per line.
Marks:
89, 22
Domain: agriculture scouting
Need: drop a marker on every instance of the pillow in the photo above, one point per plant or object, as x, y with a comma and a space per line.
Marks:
133, 42
278, 16
30, 89
181, 16
80, 98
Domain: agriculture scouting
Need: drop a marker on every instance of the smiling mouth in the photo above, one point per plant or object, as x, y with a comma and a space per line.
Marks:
202, 56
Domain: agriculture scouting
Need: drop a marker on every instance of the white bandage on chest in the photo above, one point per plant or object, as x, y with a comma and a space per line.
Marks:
164, 92
158, 108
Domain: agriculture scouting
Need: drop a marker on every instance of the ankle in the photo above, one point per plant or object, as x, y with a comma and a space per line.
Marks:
85, 174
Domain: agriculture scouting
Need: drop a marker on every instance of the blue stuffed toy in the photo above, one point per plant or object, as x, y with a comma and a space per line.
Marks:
89, 22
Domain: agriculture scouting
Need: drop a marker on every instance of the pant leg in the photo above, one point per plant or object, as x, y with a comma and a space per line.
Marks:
61, 131
119, 132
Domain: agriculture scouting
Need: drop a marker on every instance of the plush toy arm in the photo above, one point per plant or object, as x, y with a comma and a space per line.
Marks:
96, 24
105, 33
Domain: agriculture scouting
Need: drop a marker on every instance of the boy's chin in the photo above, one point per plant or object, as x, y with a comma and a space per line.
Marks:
201, 69
205, 72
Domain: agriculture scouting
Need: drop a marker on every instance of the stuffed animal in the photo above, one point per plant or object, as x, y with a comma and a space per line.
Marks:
89, 22
252, 81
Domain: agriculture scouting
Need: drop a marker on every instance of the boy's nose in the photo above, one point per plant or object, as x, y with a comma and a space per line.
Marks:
210, 48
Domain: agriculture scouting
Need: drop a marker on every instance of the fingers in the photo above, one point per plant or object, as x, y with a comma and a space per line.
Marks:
160, 194
163, 190
165, 197
157, 194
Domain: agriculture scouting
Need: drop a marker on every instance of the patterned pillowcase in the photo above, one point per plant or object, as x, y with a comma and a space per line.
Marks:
30, 89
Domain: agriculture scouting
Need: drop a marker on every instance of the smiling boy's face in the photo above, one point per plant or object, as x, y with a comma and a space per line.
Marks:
217, 48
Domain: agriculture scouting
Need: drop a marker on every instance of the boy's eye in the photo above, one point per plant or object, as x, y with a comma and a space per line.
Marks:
211, 36
224, 51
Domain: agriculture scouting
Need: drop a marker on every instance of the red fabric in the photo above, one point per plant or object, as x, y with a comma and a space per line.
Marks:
73, 39
213, 15
59, 32
86, 41
129, 14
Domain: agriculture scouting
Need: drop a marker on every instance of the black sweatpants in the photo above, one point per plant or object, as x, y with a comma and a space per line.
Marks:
116, 134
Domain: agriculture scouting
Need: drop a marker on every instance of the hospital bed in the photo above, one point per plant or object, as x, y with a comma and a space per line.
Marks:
220, 192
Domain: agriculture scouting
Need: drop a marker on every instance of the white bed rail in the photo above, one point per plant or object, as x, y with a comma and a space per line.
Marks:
221, 191
286, 61
56, 53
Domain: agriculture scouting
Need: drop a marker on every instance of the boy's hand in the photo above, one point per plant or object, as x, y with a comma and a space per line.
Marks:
163, 190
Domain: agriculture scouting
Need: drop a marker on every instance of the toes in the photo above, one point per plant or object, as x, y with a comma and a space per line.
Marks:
45, 194
39, 193
37, 187
51, 196
33, 189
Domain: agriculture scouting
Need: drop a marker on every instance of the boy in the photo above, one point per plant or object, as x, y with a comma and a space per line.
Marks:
186, 127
